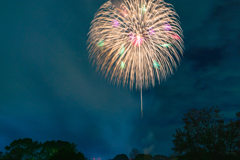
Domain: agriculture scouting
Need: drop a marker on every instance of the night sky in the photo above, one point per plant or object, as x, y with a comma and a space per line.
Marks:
50, 91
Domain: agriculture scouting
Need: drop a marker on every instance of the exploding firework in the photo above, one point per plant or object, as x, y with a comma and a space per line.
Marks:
135, 43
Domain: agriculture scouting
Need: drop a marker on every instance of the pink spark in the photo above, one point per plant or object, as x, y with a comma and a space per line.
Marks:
151, 31
167, 27
131, 36
176, 36
115, 23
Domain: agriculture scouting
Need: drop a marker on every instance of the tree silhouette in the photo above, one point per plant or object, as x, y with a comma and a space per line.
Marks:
134, 153
121, 157
66, 154
160, 157
50, 148
205, 136
143, 157
1, 154
29, 150
22, 149
238, 126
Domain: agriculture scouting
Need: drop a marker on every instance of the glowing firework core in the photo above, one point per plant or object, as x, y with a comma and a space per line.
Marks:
138, 40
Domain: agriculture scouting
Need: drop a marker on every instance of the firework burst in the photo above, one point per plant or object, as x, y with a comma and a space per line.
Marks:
135, 44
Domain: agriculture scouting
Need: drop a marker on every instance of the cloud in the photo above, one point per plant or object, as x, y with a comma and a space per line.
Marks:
149, 138
148, 150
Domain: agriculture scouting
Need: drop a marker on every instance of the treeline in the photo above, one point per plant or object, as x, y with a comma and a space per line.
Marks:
27, 149
136, 155
204, 136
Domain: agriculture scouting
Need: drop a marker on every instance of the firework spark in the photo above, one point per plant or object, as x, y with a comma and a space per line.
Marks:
137, 43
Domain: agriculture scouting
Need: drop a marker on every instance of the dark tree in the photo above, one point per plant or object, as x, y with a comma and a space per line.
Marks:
22, 149
160, 157
173, 156
121, 157
50, 148
29, 150
1, 154
66, 154
205, 136
134, 153
143, 157
238, 126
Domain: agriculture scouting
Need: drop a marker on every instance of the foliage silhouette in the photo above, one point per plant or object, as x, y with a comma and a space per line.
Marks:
49, 148
1, 155
134, 153
205, 136
160, 157
32, 150
66, 154
143, 157
121, 157
22, 149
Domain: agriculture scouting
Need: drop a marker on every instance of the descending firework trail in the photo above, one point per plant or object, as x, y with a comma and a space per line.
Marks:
135, 42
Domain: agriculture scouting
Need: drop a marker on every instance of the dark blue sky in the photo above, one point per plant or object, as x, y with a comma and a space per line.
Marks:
50, 91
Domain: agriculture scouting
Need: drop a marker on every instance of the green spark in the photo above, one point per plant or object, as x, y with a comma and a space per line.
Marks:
156, 64
143, 8
122, 64
165, 45
122, 50
100, 43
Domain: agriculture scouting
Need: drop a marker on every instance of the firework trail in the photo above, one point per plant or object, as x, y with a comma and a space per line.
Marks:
136, 42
